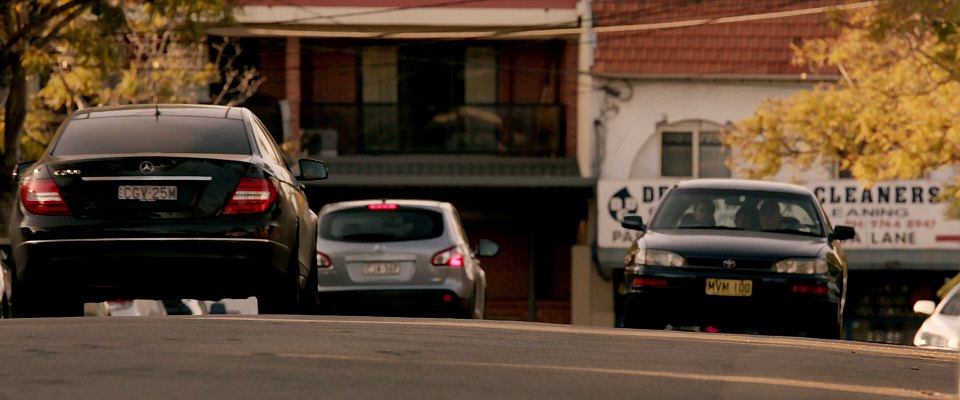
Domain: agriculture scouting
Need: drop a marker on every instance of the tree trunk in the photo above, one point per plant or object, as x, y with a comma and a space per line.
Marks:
15, 112
6, 75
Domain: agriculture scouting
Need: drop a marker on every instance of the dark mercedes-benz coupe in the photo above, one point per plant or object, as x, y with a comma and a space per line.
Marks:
158, 202
737, 256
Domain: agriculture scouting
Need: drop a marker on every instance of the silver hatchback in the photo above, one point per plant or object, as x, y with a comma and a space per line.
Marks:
408, 257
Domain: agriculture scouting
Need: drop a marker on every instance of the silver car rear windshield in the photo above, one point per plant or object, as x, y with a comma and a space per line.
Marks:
365, 225
148, 134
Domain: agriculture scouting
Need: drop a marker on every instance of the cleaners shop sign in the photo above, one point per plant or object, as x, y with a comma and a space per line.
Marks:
889, 215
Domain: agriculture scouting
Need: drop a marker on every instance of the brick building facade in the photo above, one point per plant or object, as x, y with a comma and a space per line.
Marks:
419, 105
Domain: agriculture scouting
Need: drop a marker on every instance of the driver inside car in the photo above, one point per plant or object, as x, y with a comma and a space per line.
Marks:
702, 215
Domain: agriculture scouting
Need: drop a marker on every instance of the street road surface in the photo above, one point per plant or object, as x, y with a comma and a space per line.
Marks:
257, 357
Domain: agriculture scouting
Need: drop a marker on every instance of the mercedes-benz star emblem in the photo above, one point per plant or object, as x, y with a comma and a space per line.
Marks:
147, 168
728, 264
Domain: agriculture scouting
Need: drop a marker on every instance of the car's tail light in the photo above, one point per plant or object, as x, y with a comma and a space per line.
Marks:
810, 289
381, 206
449, 257
42, 197
649, 282
323, 261
253, 195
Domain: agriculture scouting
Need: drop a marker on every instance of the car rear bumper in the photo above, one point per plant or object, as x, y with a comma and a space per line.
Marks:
425, 302
112, 268
776, 302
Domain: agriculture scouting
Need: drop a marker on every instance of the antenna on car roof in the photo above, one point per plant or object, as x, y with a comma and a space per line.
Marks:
157, 114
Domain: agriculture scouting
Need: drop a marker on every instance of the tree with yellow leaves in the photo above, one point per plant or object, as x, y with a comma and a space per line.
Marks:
893, 114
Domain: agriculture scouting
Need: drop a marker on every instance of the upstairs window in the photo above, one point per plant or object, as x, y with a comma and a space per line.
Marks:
692, 149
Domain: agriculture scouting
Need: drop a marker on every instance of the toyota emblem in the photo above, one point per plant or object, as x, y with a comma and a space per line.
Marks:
728, 264
147, 168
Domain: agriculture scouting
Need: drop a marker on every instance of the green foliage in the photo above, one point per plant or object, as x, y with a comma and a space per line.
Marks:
894, 115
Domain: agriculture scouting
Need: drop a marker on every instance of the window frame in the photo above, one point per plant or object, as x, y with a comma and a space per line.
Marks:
695, 128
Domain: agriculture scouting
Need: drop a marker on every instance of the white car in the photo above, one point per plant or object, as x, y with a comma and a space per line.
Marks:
246, 306
399, 256
136, 308
5, 276
140, 307
942, 328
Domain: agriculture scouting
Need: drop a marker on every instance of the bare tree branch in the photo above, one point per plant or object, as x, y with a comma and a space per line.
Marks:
43, 19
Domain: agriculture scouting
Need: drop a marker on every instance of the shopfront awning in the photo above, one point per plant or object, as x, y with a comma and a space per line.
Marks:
454, 171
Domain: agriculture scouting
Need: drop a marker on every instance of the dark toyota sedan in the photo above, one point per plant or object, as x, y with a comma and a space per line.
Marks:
734, 255
158, 202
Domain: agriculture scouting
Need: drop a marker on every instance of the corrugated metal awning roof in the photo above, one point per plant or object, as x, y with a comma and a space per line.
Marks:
454, 171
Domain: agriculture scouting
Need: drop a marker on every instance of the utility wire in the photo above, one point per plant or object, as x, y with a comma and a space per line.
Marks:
402, 57
647, 12
658, 27
333, 17
547, 31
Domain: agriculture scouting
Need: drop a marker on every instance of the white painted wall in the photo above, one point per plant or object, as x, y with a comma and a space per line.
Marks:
418, 16
632, 145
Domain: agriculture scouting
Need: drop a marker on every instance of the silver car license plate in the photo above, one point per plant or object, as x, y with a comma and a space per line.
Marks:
146, 192
381, 269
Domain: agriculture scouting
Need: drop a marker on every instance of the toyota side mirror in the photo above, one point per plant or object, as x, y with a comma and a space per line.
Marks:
634, 222
842, 232
925, 307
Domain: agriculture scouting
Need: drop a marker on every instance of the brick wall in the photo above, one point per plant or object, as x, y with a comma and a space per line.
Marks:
551, 311
568, 93
530, 69
508, 273
542, 73
270, 55
329, 72
291, 69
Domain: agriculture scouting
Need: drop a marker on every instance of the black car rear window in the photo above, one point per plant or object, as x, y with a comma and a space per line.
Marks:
364, 225
149, 134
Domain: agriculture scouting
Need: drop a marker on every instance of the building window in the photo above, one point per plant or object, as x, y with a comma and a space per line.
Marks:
692, 149
842, 173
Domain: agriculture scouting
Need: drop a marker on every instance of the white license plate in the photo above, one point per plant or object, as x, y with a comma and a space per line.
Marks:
729, 287
381, 269
146, 192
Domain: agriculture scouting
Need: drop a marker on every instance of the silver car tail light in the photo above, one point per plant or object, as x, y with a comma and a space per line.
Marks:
449, 257
323, 261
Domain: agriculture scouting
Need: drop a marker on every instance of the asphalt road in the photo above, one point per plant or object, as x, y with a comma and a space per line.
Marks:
229, 357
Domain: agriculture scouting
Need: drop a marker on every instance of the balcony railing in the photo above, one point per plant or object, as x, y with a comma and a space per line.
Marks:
378, 128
